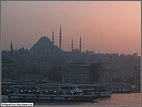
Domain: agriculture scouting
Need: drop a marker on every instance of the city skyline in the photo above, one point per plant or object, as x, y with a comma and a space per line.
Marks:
23, 23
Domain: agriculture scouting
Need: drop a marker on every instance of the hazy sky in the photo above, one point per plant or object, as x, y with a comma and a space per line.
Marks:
105, 27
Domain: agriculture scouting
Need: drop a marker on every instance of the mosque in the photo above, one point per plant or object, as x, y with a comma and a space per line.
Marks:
50, 43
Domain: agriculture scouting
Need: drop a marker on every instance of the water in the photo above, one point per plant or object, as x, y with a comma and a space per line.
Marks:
132, 99
119, 99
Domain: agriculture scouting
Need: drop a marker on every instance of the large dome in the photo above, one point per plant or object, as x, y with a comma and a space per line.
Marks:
44, 47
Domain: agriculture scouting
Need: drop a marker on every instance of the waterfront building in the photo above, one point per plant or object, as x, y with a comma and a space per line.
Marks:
76, 73
86, 73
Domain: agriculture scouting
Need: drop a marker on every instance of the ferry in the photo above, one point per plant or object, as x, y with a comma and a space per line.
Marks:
101, 90
29, 93
104, 92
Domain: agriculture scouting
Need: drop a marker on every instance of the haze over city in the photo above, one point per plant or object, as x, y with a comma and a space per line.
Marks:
105, 27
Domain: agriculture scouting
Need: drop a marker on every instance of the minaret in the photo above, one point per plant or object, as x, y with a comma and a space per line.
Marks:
53, 37
72, 45
11, 47
60, 39
80, 44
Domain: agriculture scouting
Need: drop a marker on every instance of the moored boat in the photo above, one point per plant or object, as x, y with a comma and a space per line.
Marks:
22, 93
104, 92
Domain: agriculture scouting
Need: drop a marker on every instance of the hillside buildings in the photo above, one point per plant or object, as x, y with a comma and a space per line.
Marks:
75, 66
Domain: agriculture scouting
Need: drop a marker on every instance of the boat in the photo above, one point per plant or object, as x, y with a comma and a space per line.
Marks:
29, 93
104, 92
101, 91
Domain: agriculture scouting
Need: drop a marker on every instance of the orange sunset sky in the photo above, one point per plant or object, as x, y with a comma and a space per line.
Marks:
105, 26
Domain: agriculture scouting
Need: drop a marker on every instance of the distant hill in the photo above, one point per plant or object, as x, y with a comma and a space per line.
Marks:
45, 47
